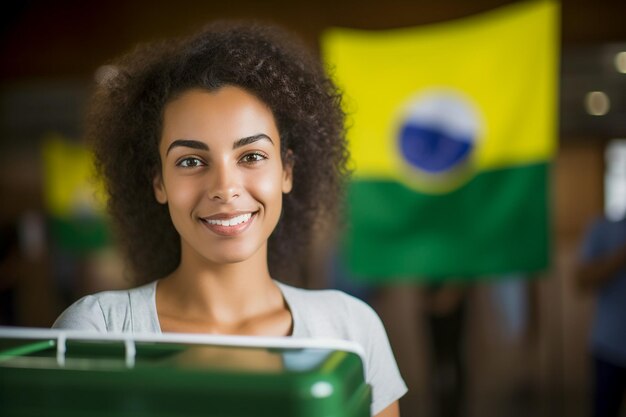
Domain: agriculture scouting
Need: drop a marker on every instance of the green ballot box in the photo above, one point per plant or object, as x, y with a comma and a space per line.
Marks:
66, 373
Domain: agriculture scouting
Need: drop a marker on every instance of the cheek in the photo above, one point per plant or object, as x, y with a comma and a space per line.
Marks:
182, 195
268, 187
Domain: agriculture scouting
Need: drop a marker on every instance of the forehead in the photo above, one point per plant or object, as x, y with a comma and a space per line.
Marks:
226, 114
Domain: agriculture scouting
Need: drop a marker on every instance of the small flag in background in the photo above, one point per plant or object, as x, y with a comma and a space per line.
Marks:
452, 128
74, 198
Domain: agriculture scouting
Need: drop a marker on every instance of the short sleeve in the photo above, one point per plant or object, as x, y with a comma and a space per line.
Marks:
84, 314
382, 372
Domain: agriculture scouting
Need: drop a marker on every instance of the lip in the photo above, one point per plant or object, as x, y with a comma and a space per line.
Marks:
224, 230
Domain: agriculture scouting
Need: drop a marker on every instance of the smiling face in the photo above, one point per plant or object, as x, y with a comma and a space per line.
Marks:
222, 176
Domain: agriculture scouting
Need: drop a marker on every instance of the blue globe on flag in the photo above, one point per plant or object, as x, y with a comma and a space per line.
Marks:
437, 134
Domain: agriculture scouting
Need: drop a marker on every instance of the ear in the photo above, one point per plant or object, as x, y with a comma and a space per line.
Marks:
159, 188
288, 162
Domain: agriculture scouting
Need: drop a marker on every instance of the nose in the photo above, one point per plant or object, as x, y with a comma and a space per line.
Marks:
224, 184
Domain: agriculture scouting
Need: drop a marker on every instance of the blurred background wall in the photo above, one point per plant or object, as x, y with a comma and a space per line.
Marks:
527, 342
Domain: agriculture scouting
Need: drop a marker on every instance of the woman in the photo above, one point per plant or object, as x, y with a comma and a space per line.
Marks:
221, 153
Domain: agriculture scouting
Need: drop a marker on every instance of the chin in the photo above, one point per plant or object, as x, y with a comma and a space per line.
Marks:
223, 253
231, 256
229, 259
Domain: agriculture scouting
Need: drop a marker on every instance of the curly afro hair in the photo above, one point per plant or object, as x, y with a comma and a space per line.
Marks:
124, 128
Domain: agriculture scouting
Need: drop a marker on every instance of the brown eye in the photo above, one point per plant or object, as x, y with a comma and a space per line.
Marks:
190, 162
253, 157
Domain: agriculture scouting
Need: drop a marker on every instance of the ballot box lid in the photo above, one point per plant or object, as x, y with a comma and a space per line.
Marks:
70, 373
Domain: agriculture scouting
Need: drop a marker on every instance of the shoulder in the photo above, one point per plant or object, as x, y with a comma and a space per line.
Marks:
327, 302
84, 314
331, 314
104, 311
326, 296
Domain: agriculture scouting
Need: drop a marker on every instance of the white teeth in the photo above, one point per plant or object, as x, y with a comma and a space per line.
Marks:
231, 222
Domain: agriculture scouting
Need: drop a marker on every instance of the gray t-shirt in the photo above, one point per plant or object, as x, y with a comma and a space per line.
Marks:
316, 314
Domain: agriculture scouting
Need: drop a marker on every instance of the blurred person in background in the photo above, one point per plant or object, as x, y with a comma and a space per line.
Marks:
601, 269
445, 306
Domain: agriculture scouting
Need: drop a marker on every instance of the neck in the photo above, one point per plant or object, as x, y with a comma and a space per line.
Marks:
224, 293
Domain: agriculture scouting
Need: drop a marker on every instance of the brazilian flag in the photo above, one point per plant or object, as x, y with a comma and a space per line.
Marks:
452, 129
73, 197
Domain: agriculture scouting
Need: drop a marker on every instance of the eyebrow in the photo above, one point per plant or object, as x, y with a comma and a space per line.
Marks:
251, 139
187, 143
196, 144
